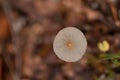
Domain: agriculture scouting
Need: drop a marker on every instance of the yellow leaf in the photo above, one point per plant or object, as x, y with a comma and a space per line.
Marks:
104, 46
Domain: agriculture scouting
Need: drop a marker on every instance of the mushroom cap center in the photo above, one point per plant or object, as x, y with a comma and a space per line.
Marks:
69, 44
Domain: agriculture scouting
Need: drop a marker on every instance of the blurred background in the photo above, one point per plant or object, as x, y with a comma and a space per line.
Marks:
28, 28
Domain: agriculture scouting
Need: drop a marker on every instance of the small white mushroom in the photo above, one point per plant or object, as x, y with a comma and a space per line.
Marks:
70, 44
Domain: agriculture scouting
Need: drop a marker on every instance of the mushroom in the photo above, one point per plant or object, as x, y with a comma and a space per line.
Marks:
70, 44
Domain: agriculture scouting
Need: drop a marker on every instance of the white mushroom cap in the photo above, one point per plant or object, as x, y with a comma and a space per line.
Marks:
70, 44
